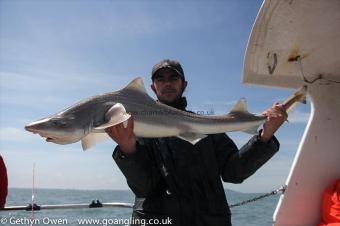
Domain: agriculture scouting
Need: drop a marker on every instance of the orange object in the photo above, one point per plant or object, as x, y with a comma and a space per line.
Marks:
331, 205
3, 183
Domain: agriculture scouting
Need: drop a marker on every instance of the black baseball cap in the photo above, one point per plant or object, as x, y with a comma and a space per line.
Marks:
170, 64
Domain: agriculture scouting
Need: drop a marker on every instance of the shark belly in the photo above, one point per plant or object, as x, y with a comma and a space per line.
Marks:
214, 127
149, 130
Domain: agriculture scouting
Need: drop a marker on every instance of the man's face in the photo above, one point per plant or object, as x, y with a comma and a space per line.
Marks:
168, 85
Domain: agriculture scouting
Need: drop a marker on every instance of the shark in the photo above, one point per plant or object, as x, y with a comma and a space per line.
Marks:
87, 120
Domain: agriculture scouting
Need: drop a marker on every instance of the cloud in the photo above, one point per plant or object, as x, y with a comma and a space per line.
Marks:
13, 134
52, 89
46, 80
145, 19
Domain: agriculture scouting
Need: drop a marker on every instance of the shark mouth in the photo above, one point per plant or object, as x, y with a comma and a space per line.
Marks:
48, 138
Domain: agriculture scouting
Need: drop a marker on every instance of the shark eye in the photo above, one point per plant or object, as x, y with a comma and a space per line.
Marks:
59, 123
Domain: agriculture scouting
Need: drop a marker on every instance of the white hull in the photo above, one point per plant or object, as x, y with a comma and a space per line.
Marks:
292, 40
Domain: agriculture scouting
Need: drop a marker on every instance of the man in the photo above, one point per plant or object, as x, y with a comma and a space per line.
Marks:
174, 179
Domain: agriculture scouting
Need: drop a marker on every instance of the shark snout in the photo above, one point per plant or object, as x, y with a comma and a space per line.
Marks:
36, 129
36, 126
31, 128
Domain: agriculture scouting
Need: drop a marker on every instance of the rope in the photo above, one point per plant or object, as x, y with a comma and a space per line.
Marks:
281, 190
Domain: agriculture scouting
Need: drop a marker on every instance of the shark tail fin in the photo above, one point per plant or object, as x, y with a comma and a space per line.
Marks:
293, 100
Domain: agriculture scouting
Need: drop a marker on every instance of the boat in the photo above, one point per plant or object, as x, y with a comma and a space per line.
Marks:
295, 43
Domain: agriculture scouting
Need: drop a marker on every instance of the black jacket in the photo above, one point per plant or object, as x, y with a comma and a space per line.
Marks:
183, 182
174, 179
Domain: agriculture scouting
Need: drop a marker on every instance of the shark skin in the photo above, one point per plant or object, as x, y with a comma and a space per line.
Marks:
86, 120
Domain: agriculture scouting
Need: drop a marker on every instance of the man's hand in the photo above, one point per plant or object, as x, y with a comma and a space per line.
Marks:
275, 117
124, 137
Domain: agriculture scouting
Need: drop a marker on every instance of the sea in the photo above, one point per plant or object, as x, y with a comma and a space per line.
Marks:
259, 213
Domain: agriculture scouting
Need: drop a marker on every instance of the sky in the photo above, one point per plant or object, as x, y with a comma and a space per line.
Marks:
56, 53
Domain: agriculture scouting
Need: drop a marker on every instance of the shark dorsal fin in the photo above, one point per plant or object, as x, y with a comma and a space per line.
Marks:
240, 106
136, 84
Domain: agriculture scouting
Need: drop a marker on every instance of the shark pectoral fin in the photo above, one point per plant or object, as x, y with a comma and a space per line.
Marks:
251, 130
192, 138
92, 139
114, 116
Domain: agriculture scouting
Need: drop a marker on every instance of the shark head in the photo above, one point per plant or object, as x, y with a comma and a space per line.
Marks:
57, 129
